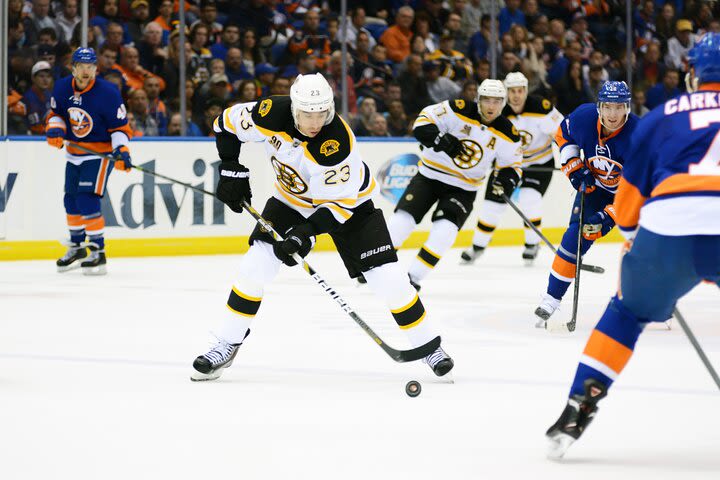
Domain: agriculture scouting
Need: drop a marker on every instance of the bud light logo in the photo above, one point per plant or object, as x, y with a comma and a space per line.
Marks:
395, 175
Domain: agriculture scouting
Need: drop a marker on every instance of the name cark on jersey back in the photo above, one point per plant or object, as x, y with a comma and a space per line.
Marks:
498, 142
324, 171
580, 134
91, 116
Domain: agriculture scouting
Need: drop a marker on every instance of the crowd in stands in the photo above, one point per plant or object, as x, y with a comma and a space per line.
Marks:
402, 54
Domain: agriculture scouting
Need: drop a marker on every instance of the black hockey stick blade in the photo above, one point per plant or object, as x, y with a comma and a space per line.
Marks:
592, 268
417, 353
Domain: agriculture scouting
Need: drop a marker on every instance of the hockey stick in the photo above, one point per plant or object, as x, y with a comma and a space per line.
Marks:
578, 263
398, 355
541, 169
697, 347
589, 268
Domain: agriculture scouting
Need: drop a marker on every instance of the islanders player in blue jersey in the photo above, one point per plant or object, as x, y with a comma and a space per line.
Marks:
594, 141
668, 208
89, 112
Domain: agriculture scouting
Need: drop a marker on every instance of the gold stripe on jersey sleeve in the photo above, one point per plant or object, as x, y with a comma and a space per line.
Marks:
532, 114
444, 169
270, 133
500, 134
423, 119
345, 201
351, 137
369, 189
468, 120
227, 122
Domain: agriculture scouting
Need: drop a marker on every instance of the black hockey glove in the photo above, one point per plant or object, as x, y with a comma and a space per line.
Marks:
449, 144
505, 181
299, 239
233, 188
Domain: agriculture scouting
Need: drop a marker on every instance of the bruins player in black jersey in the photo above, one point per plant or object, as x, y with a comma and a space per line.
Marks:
321, 186
461, 141
537, 120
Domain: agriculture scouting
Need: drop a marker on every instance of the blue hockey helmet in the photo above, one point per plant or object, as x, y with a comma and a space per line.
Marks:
614, 92
704, 57
84, 55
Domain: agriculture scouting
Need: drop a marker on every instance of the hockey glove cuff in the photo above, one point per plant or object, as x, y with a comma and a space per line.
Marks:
505, 181
233, 187
579, 175
449, 144
122, 158
599, 224
299, 239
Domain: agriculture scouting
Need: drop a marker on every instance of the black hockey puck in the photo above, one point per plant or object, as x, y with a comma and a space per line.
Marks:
413, 388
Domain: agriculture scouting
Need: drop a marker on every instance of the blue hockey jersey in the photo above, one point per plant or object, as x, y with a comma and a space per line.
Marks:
604, 156
91, 116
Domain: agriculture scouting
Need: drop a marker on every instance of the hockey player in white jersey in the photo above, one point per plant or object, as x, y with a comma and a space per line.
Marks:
461, 140
537, 120
321, 186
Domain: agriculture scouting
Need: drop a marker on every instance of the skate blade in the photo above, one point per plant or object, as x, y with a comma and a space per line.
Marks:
558, 446
68, 268
98, 270
205, 377
557, 327
541, 324
529, 262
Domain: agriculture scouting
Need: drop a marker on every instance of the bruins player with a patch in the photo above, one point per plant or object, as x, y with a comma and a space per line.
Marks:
537, 120
462, 141
321, 186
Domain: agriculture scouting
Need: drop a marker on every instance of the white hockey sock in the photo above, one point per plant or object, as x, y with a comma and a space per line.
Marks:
400, 226
531, 205
390, 282
258, 267
442, 236
490, 213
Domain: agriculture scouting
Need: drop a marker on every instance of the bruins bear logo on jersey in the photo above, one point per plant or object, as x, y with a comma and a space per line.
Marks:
288, 178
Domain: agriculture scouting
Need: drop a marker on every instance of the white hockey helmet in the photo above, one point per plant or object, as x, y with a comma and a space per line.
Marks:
515, 79
492, 88
312, 93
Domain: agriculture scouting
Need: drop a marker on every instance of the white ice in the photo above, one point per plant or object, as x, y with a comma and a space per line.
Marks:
94, 379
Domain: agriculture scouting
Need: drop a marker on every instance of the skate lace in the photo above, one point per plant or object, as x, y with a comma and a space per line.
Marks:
220, 353
435, 357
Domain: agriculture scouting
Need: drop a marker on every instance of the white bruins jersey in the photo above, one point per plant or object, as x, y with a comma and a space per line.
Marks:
496, 142
536, 124
320, 172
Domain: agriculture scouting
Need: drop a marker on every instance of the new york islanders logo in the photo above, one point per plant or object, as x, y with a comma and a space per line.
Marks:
81, 123
606, 170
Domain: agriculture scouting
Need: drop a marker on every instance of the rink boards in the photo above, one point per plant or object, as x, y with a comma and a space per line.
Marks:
146, 215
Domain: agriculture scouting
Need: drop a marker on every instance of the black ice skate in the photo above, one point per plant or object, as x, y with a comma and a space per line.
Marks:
469, 256
530, 253
71, 259
96, 262
440, 362
210, 365
579, 412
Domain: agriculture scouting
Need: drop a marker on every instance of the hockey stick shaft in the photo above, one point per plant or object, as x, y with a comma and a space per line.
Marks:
589, 268
398, 355
578, 263
697, 347
541, 169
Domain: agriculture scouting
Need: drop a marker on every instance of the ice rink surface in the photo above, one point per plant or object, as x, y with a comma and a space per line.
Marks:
94, 379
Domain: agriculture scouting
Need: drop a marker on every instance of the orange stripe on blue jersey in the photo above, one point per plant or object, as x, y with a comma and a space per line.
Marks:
560, 137
628, 202
685, 183
125, 129
607, 351
563, 269
102, 176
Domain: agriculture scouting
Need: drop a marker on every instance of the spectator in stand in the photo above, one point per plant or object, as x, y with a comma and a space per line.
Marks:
138, 106
213, 109
702, 16
362, 70
558, 71
436, 13
101, 22
397, 38
152, 54
381, 66
649, 69
572, 91
509, 62
38, 19
579, 33
378, 92
175, 123
247, 92
67, 19
37, 98
333, 26
139, 17
265, 76
594, 82
16, 14
49, 37
164, 18
208, 17
540, 27
439, 88
535, 69
519, 35
378, 126
469, 91
156, 107
665, 90
256, 14
252, 55
362, 123
133, 125
638, 102
415, 95
471, 15
234, 67
479, 44
280, 86
114, 36
531, 10
198, 41
454, 30
511, 15
310, 40
665, 23
644, 23
115, 77
597, 57
218, 88
76, 40
334, 78
422, 30
356, 25
679, 46
134, 73
230, 38
453, 63
398, 124
555, 40
47, 53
